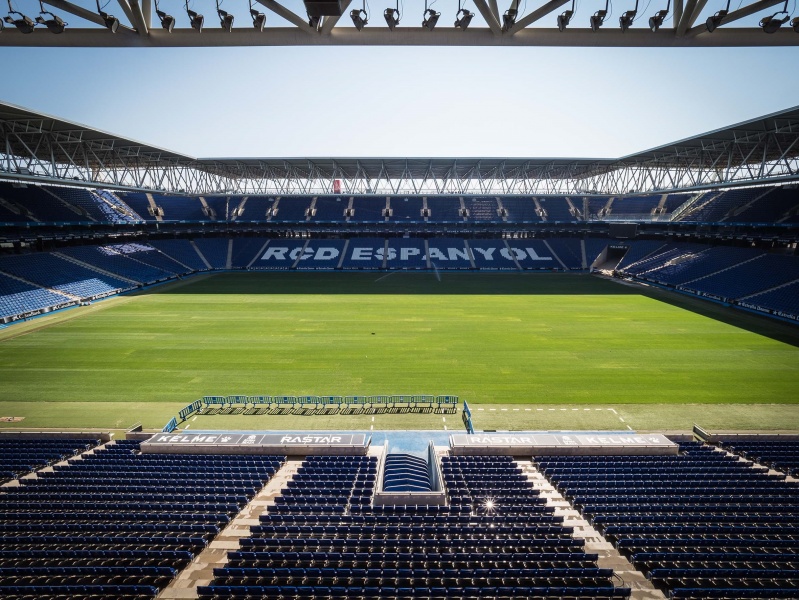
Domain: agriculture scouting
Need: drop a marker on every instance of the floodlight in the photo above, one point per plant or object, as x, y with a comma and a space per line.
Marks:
714, 21
795, 24
225, 18
463, 18
167, 21
392, 17
772, 23
597, 19
430, 19
564, 18
509, 19
110, 21
657, 20
258, 19
24, 23
628, 18
55, 24
196, 20
359, 18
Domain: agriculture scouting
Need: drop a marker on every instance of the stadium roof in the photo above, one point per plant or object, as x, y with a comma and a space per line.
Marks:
683, 26
45, 148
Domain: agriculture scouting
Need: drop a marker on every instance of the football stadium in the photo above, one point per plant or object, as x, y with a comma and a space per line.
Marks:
393, 378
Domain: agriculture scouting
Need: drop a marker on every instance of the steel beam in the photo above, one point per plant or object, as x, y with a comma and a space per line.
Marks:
290, 16
735, 15
416, 36
81, 12
537, 14
330, 22
491, 20
138, 18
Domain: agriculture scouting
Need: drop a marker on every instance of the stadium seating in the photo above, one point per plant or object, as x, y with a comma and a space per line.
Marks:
444, 209
782, 301
406, 253
119, 259
116, 524
763, 273
50, 271
368, 209
215, 251
406, 210
692, 265
255, 208
520, 210
699, 525
491, 254
181, 208
717, 206
365, 253
557, 209
246, 251
182, 251
321, 255
593, 248
634, 206
139, 203
323, 539
448, 253
40, 203
771, 207
17, 297
569, 251
482, 210
288, 209
330, 209
533, 254
781, 455
638, 250
21, 456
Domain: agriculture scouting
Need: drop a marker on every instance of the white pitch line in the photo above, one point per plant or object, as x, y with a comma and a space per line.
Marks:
599, 409
630, 428
445, 427
186, 427
444, 419
550, 409
543, 409
515, 410
480, 409
613, 410
194, 419
575, 409
586, 409
371, 427
492, 409
373, 419
386, 275
563, 409
529, 409
622, 420
504, 409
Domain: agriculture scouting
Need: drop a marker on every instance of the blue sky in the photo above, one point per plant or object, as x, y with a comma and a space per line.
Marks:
402, 101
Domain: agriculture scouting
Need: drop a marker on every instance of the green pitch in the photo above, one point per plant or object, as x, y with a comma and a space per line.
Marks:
504, 339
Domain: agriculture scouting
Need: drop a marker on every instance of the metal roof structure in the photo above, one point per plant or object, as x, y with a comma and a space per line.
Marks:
683, 25
42, 148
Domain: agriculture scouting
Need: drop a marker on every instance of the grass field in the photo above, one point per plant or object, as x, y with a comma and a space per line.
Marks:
516, 341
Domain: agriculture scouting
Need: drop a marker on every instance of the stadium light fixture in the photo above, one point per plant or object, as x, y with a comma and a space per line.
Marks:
55, 24
463, 17
565, 18
773, 23
258, 18
167, 21
628, 18
509, 18
111, 22
196, 20
714, 21
24, 23
359, 16
430, 17
392, 17
598, 18
225, 18
657, 20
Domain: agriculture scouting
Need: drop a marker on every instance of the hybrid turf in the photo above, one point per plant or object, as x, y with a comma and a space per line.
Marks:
488, 338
